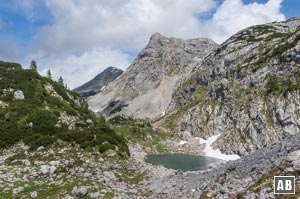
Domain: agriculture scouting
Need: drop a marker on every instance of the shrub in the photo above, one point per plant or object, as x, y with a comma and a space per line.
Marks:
104, 147
273, 83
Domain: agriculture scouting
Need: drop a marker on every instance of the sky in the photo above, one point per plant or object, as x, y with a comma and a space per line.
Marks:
77, 39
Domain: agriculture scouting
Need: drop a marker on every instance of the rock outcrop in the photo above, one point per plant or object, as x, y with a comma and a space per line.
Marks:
145, 89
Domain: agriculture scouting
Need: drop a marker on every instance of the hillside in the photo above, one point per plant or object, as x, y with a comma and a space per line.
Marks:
99, 82
39, 111
246, 91
145, 89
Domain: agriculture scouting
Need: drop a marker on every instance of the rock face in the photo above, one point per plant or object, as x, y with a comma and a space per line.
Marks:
145, 89
247, 90
99, 82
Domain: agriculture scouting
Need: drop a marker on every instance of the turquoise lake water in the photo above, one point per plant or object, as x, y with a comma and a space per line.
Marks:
183, 162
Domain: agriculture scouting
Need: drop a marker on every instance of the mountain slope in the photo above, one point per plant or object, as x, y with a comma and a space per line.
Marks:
101, 80
39, 111
144, 90
247, 90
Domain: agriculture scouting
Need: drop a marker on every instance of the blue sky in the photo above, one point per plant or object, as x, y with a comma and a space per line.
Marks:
79, 38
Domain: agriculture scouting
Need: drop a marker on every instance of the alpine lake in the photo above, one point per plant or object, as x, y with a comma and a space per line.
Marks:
183, 162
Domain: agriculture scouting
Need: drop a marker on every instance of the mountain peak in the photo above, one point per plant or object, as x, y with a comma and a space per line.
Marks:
156, 36
95, 85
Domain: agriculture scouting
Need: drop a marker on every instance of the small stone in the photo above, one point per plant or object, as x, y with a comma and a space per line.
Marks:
109, 175
295, 155
40, 148
80, 170
52, 169
17, 190
30, 124
54, 163
110, 153
68, 197
26, 162
80, 191
33, 194
45, 169
89, 121
94, 195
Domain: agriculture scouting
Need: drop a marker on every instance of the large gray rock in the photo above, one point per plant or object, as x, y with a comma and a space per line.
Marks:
46, 169
19, 95
34, 194
80, 191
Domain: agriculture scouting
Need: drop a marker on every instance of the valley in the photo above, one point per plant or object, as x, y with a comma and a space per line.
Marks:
237, 102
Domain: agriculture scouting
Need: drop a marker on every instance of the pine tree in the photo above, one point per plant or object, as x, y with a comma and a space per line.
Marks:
61, 81
33, 65
49, 74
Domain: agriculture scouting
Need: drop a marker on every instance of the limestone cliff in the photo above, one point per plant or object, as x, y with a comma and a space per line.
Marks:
247, 90
145, 89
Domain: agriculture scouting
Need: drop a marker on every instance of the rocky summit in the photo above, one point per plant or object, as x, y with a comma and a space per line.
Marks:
145, 89
99, 82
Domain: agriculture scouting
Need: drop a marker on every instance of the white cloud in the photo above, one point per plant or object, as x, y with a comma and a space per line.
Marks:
83, 24
96, 27
233, 16
77, 70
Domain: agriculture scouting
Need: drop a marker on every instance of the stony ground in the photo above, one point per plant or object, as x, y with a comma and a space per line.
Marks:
66, 171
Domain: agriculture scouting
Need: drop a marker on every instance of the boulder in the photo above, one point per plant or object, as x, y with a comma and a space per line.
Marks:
19, 95
80, 192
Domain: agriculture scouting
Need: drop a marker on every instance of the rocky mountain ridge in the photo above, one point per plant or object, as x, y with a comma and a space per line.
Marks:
247, 90
144, 90
99, 82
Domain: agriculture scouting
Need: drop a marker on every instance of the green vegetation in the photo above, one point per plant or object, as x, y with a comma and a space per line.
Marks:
115, 106
61, 81
160, 42
49, 74
289, 82
133, 129
273, 83
33, 65
42, 117
140, 131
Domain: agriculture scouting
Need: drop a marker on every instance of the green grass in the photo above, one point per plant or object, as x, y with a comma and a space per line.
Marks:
109, 195
156, 143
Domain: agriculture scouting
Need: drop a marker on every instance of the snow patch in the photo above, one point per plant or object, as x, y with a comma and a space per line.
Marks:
215, 153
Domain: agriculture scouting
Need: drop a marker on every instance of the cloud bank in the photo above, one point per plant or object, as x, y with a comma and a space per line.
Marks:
86, 36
